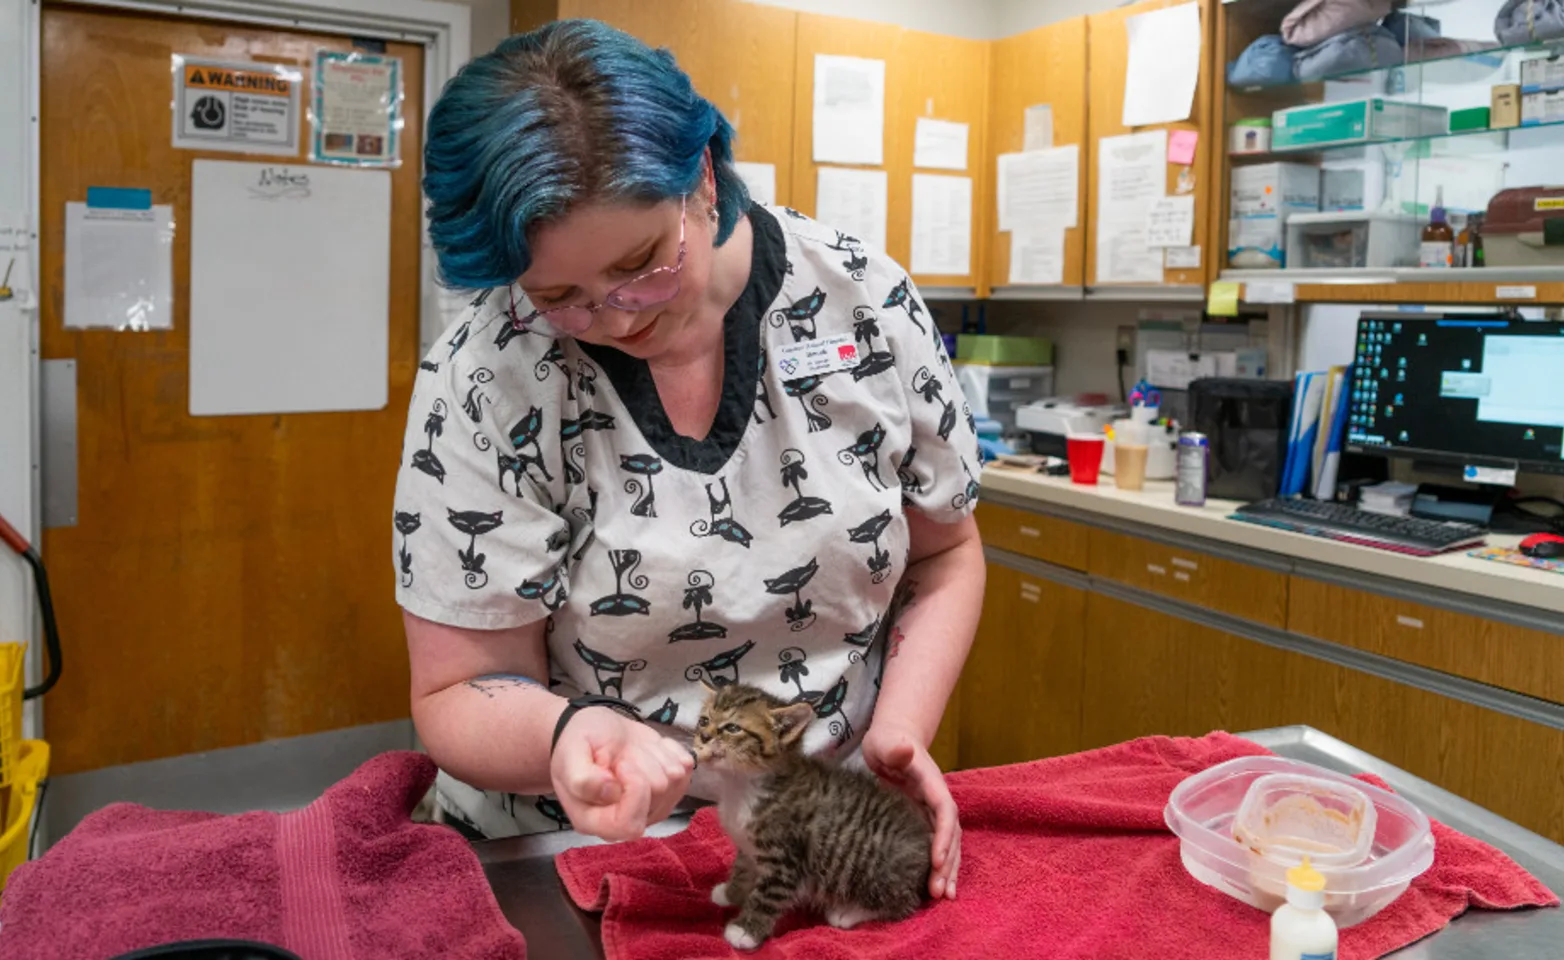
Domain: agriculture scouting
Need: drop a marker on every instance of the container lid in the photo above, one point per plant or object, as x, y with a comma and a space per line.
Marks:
1252, 122
1523, 209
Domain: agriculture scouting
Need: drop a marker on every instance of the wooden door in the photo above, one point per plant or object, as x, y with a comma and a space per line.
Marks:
1042, 66
1021, 689
229, 579
1135, 678
740, 56
1108, 57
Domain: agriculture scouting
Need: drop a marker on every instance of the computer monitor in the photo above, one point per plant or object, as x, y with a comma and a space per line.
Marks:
1474, 390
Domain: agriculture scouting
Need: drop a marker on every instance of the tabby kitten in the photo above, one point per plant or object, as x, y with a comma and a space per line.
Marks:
806, 831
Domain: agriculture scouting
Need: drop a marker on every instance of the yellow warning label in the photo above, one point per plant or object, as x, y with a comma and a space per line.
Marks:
203, 77
1550, 203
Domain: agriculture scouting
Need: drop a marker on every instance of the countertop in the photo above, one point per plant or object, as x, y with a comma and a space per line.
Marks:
1154, 507
521, 870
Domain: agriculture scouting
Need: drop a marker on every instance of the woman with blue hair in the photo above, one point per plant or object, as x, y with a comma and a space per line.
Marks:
679, 440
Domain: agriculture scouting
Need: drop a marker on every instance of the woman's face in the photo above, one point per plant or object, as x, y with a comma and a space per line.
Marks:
580, 259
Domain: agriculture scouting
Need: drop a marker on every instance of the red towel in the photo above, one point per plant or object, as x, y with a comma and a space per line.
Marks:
1068, 857
349, 877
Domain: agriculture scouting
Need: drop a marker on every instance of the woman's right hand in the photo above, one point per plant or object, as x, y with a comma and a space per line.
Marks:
614, 776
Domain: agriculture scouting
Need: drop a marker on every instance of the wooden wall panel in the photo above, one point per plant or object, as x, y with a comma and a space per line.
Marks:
1046, 65
740, 56
1108, 57
230, 579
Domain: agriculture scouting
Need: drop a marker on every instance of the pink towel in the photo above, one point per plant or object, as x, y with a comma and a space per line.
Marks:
1068, 856
349, 877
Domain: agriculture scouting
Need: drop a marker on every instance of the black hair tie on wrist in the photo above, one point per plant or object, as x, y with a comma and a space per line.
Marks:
590, 700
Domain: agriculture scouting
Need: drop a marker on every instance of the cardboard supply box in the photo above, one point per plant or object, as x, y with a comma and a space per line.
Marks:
1505, 107
1261, 199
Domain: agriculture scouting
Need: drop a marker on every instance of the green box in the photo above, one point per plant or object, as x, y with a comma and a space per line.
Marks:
1472, 118
1354, 121
1005, 351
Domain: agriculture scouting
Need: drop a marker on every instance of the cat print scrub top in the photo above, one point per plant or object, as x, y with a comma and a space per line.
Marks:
540, 478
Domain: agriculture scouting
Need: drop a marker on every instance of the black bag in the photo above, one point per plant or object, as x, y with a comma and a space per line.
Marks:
1246, 423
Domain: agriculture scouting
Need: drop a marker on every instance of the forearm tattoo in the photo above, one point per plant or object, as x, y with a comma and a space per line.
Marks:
905, 599
491, 683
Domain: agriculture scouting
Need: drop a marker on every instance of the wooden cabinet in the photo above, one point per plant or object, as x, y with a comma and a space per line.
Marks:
1501, 654
1145, 672
1021, 689
740, 56
1108, 55
1042, 66
1241, 589
1049, 539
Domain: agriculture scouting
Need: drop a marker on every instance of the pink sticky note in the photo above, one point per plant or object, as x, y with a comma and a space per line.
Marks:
1181, 146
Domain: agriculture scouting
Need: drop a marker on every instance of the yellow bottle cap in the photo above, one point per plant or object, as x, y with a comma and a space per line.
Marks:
1305, 877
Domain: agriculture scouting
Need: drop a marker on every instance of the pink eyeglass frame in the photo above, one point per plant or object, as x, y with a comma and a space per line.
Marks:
611, 299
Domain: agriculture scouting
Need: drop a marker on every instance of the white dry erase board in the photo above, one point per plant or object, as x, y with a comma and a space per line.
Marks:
289, 273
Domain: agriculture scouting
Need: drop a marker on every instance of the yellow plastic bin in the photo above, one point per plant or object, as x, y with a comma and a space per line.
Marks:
32, 765
10, 713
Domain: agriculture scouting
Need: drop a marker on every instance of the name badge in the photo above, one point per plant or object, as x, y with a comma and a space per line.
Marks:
816, 358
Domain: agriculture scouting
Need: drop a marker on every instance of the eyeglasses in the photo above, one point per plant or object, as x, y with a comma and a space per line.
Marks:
648, 290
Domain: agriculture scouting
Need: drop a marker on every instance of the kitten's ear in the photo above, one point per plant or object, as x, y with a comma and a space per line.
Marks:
790, 721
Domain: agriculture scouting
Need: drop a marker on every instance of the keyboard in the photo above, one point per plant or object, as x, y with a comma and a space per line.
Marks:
1340, 521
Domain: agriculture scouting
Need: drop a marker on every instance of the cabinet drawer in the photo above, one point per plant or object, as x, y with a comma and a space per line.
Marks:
1240, 589
1488, 651
1040, 537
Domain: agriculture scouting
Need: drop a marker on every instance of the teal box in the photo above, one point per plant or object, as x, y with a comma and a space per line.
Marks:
1369, 120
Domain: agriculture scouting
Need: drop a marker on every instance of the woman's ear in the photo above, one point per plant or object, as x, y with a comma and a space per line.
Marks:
790, 721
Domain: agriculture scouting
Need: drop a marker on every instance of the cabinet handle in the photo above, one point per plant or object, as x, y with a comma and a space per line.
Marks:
1181, 576
1407, 621
1029, 532
1031, 592
1158, 570
1186, 564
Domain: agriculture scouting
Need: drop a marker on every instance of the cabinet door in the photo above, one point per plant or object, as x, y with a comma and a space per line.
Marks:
1109, 56
1021, 689
1135, 677
1020, 80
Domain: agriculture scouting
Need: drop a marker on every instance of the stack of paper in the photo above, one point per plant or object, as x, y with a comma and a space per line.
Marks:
1390, 498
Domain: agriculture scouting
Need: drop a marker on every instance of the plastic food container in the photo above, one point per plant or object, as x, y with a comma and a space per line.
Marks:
1286, 817
1202, 812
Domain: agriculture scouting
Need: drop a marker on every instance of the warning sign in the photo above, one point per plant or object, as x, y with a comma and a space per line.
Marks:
238, 106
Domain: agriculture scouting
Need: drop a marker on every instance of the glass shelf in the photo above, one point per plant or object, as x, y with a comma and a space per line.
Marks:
1549, 47
1292, 154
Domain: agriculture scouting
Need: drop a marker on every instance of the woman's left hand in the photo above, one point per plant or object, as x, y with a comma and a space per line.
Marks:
899, 758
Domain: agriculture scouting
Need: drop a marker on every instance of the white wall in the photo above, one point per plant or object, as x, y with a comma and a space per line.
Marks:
490, 24
1010, 17
973, 18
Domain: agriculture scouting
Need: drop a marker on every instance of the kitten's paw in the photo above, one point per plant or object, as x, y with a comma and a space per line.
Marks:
739, 938
847, 917
719, 895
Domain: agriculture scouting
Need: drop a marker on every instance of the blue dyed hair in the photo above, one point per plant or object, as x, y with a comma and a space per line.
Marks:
574, 111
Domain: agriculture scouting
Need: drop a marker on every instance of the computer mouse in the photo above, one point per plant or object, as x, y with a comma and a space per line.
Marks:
1543, 546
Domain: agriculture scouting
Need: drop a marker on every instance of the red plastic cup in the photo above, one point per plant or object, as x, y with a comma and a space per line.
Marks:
1085, 455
